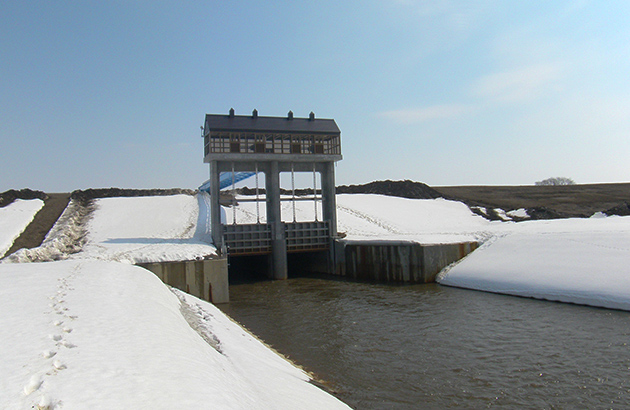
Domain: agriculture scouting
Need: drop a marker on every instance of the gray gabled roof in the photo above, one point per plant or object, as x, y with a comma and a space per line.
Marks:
249, 123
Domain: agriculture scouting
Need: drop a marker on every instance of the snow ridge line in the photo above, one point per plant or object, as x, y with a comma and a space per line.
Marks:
204, 224
198, 319
53, 363
67, 237
367, 218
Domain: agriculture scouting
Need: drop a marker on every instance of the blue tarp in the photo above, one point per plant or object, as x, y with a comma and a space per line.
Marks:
225, 180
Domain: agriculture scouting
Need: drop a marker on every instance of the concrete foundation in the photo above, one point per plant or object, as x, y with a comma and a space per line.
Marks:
207, 279
402, 262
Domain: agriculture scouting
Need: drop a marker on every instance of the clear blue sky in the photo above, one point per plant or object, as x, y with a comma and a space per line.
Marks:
112, 93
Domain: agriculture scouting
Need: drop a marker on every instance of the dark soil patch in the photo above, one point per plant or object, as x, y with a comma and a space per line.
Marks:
621, 209
89, 194
11, 195
403, 189
36, 231
546, 202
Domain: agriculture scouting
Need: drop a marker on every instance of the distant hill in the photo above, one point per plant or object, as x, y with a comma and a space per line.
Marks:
403, 189
561, 201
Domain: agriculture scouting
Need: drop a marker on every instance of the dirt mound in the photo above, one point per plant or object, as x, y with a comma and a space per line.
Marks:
541, 212
622, 209
262, 191
403, 189
89, 194
11, 195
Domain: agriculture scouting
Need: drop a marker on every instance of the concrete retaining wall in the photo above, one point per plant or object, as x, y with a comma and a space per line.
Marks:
207, 279
397, 261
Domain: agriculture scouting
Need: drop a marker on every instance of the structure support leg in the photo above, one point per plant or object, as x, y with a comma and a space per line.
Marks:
329, 210
274, 218
329, 201
215, 206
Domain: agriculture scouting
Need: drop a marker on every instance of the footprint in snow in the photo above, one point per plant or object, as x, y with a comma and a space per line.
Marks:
56, 338
58, 322
68, 344
67, 330
33, 384
58, 365
48, 353
44, 403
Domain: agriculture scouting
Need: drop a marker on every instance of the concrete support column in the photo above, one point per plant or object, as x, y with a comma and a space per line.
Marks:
329, 209
274, 218
329, 201
215, 206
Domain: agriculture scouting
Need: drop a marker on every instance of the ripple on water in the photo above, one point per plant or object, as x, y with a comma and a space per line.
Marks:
401, 347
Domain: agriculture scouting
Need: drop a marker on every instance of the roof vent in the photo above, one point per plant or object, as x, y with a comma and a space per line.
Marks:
311, 116
231, 112
290, 115
255, 113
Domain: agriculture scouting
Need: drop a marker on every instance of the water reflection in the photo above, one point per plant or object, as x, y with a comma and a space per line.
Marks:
428, 346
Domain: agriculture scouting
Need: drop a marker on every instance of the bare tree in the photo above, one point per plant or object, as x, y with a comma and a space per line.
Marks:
556, 181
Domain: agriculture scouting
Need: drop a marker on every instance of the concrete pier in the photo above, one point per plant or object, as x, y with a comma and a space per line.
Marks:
403, 262
206, 279
274, 218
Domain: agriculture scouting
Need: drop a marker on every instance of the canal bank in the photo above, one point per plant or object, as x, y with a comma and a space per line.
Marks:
205, 279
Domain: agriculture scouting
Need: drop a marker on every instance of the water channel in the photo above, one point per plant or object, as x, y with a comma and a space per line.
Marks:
427, 346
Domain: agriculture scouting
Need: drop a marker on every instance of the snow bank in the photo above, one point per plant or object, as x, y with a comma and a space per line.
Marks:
370, 217
14, 218
105, 335
148, 229
582, 261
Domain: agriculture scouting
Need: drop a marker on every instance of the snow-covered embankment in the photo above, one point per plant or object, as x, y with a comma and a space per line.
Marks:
103, 335
583, 261
92, 332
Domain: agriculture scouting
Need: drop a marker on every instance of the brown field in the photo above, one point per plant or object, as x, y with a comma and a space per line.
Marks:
567, 200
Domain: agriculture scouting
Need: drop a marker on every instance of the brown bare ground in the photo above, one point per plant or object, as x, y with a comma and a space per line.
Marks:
566, 200
36, 231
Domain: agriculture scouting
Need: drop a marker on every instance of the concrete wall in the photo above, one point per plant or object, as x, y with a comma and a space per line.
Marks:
397, 261
207, 279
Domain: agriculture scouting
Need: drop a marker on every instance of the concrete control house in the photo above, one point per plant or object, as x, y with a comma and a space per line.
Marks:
271, 145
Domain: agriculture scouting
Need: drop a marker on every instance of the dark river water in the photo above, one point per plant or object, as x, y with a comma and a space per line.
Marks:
428, 346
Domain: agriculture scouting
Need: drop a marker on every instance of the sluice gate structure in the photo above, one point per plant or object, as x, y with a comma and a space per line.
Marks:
273, 145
